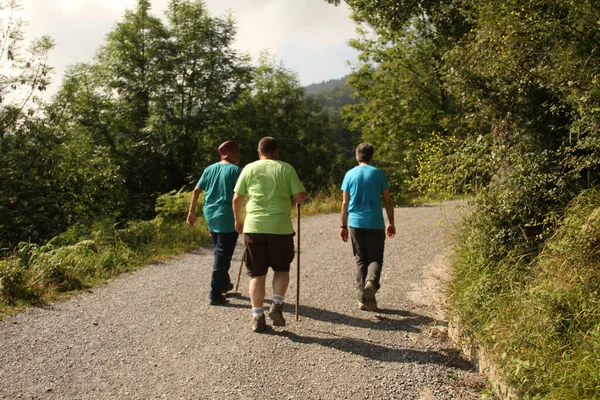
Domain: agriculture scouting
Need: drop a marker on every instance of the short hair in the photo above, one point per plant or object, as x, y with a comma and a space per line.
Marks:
364, 152
268, 145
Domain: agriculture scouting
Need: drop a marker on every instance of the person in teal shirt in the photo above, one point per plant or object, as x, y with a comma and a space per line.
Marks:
218, 181
364, 187
270, 185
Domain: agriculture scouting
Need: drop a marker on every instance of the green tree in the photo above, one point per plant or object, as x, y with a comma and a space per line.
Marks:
23, 73
400, 79
133, 61
276, 105
207, 77
153, 91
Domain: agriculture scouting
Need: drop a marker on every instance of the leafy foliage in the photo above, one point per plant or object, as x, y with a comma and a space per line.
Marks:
452, 166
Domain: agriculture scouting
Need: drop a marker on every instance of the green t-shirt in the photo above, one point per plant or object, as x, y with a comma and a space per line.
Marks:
218, 181
269, 184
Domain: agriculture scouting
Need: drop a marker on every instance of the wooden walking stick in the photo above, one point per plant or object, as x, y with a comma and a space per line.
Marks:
237, 285
298, 270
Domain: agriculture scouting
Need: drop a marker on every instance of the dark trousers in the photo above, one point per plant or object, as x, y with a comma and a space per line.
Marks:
367, 246
224, 247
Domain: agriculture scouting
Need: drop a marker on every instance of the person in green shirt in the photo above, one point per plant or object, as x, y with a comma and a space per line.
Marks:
268, 232
218, 181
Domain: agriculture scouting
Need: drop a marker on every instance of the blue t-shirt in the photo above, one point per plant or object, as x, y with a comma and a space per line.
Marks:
365, 184
218, 181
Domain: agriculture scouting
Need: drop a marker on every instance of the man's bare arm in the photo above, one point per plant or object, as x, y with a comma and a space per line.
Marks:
390, 229
299, 197
237, 203
344, 216
191, 217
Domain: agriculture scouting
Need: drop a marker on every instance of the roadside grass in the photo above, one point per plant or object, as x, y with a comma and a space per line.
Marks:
87, 256
539, 316
325, 201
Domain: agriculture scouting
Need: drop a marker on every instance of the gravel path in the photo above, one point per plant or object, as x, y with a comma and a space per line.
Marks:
151, 333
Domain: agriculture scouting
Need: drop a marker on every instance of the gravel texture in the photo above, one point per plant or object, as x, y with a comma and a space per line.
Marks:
151, 333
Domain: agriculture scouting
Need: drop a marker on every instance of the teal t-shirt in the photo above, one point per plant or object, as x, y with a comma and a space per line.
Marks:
218, 181
365, 183
269, 184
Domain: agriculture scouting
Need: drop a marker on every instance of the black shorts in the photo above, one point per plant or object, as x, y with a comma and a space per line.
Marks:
264, 250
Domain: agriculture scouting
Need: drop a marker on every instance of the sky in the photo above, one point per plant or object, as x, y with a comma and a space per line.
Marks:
309, 36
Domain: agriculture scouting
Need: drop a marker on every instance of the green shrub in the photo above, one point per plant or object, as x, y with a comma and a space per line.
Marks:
13, 281
174, 206
538, 311
326, 200
66, 267
451, 166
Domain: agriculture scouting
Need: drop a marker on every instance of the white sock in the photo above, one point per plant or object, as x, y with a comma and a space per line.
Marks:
257, 312
277, 299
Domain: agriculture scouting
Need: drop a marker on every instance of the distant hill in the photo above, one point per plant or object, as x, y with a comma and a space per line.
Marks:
332, 94
316, 88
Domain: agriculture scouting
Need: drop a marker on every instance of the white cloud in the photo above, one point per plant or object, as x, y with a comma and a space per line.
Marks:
310, 36
312, 24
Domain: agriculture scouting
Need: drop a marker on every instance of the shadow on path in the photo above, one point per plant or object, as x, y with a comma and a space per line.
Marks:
374, 351
410, 322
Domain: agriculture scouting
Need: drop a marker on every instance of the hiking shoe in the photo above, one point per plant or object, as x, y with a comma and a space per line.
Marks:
259, 324
276, 314
371, 304
369, 291
217, 301
228, 288
362, 306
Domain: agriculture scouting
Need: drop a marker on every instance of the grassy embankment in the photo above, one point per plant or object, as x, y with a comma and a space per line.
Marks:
539, 317
86, 256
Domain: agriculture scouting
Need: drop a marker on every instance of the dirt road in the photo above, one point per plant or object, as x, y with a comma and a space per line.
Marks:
151, 334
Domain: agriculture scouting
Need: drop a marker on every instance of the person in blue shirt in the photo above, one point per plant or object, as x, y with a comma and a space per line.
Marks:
364, 187
218, 181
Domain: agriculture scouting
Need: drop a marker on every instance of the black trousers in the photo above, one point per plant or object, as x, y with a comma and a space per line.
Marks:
367, 246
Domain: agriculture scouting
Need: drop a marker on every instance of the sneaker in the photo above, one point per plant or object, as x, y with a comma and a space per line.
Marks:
228, 288
370, 301
217, 301
371, 304
259, 324
362, 306
276, 314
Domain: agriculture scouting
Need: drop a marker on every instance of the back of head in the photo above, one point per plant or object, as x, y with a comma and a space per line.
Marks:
364, 152
268, 146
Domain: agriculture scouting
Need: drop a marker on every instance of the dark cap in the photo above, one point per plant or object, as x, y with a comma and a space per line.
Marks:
227, 148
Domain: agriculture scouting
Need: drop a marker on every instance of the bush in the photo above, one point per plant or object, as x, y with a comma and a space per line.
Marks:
538, 310
324, 201
13, 281
450, 166
174, 206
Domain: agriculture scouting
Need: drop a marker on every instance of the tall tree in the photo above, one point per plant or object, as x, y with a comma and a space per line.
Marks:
159, 87
24, 72
134, 62
207, 76
275, 105
400, 78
